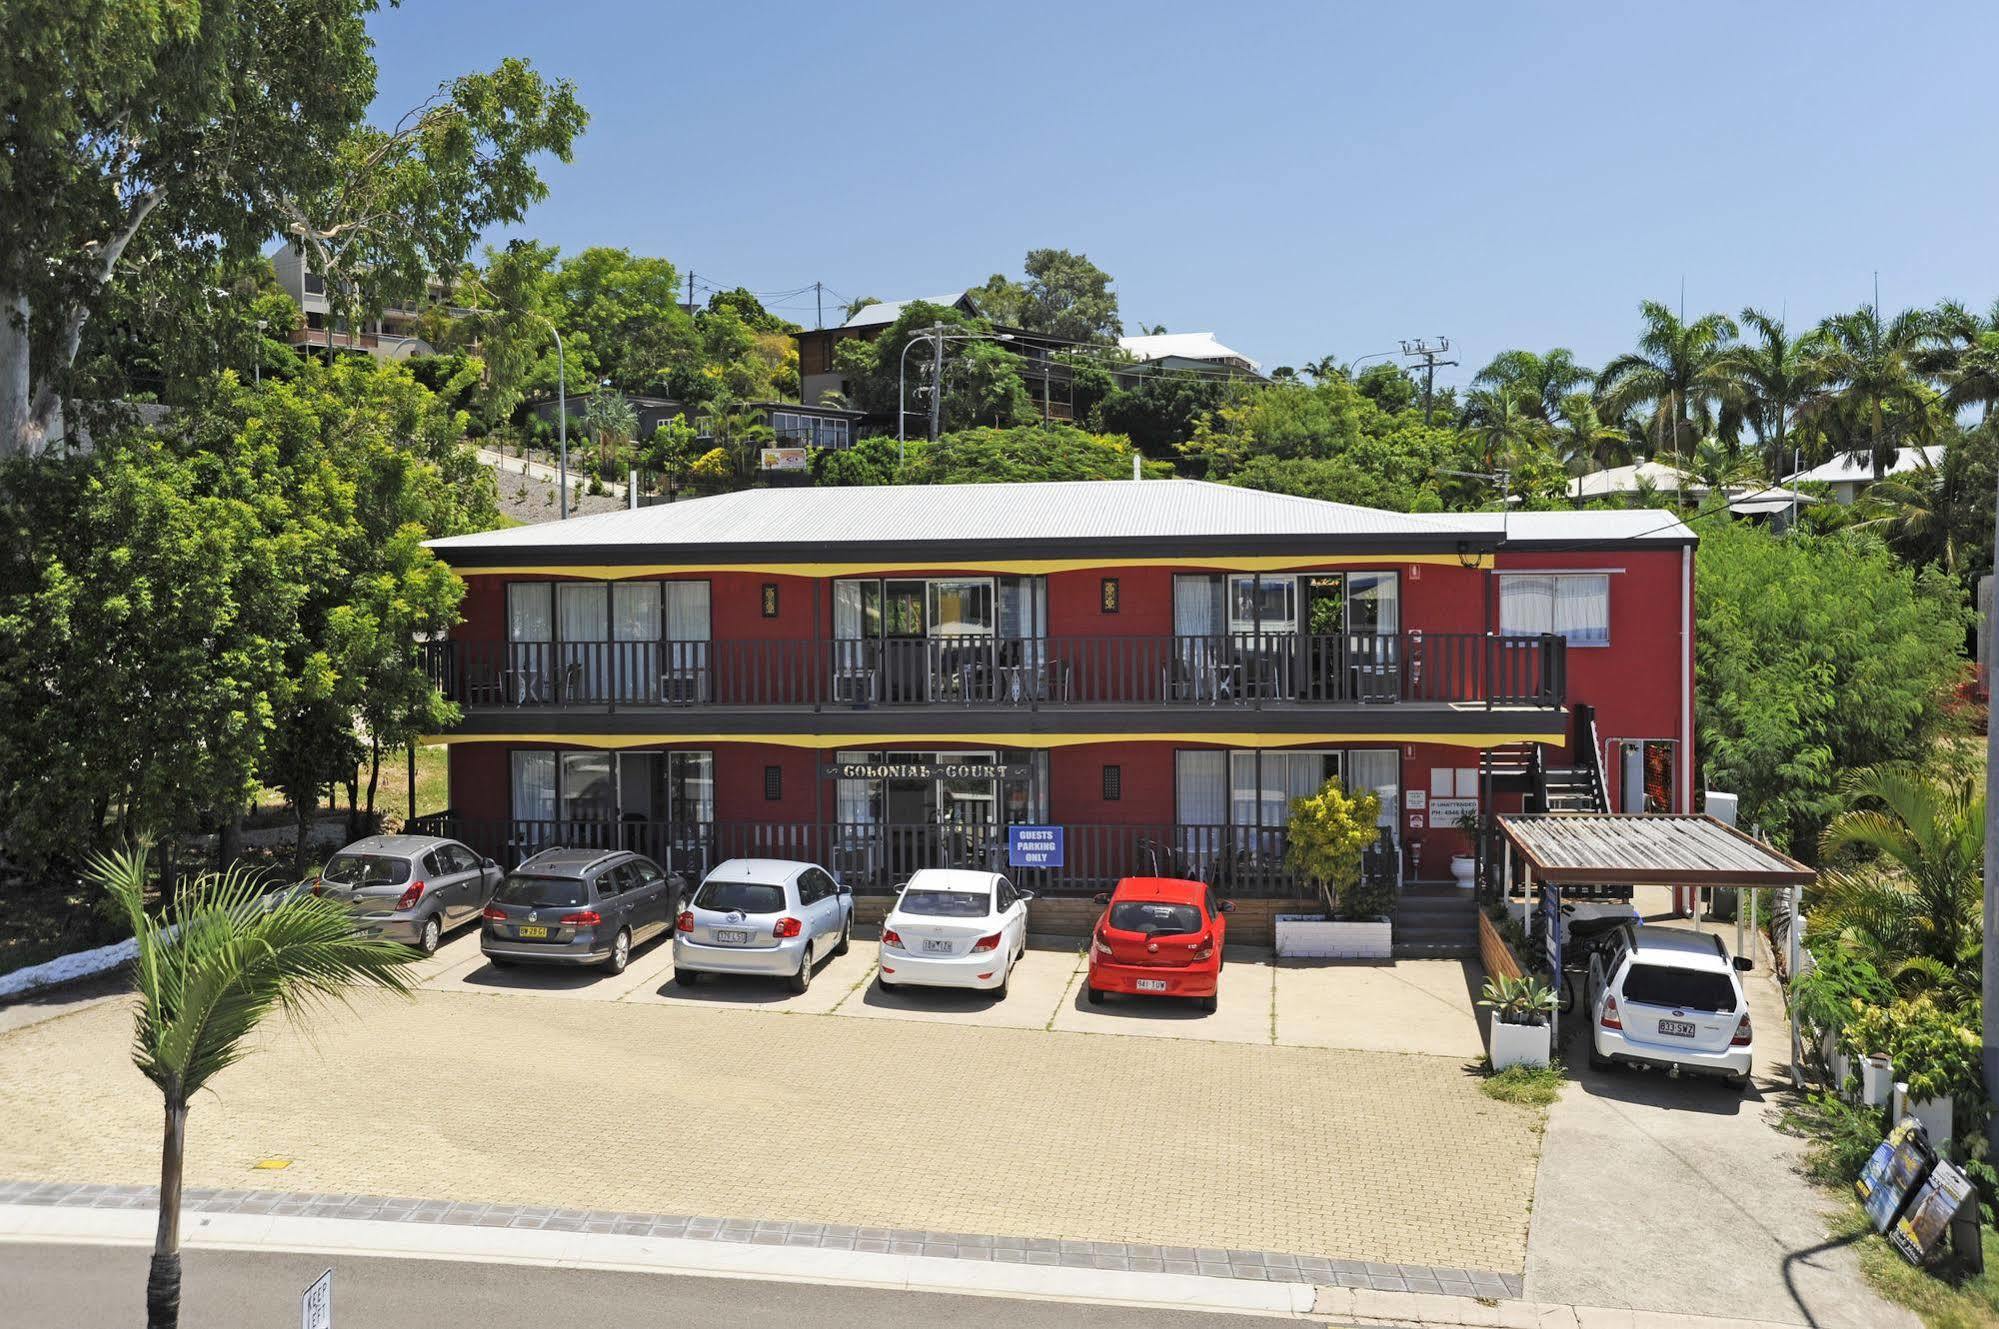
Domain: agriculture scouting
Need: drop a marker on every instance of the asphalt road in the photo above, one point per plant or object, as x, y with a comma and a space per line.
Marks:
103, 1287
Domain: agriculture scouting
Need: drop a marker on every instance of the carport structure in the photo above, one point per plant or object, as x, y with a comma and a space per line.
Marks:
1576, 850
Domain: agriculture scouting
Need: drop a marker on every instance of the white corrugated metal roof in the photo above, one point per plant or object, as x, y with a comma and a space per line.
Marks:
1051, 510
1620, 525
882, 312
1617, 849
1627, 479
1858, 467
1183, 345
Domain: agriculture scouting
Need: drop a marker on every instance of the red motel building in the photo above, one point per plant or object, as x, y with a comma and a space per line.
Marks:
882, 679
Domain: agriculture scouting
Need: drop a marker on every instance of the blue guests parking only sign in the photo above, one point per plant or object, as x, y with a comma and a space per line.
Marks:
1034, 846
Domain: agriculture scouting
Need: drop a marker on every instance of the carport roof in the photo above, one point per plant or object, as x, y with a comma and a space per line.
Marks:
1615, 849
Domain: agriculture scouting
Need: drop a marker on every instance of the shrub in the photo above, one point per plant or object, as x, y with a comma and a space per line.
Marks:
1329, 832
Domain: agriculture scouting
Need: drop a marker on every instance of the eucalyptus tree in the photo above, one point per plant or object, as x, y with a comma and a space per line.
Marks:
208, 971
1769, 379
191, 132
1676, 371
1872, 397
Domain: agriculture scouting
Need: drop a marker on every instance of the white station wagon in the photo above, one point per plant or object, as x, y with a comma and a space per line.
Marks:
1669, 999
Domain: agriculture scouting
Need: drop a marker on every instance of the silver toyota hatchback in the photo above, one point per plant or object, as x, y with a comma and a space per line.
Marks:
770, 916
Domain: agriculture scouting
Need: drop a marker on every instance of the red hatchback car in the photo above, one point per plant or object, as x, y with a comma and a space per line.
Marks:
1159, 937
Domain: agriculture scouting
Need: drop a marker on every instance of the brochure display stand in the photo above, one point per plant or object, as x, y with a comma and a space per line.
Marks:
1913, 1198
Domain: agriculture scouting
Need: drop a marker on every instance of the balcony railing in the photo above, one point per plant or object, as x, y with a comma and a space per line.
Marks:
1230, 669
875, 857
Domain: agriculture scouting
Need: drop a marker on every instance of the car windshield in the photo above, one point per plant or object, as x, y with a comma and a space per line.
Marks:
747, 897
1688, 989
366, 870
945, 904
1154, 916
540, 892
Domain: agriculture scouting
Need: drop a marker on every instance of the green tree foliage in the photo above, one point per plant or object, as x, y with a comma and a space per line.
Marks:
870, 461
1872, 399
622, 320
1818, 655
210, 970
1158, 412
1329, 831
1910, 864
186, 134
982, 386
1064, 295
1677, 372
872, 367
612, 422
1031, 452
239, 597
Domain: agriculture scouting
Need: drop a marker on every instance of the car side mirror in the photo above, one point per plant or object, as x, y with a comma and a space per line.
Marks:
1024, 896
1228, 906
844, 890
1102, 897
1743, 964
487, 863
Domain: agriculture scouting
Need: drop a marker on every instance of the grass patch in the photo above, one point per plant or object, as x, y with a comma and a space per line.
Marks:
1941, 1299
433, 787
1525, 1086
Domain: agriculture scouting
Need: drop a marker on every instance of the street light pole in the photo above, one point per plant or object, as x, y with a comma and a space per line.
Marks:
935, 335
901, 381
936, 385
561, 413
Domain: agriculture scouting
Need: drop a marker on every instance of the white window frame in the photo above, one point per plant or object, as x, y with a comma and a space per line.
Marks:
1551, 578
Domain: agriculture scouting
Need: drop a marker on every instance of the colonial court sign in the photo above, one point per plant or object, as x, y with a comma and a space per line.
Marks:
924, 770
1034, 846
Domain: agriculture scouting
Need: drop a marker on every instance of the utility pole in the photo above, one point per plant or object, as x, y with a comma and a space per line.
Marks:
690, 290
819, 304
1421, 349
1988, 1052
936, 382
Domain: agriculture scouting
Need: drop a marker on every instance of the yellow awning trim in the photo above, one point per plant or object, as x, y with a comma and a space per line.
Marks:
1243, 563
931, 738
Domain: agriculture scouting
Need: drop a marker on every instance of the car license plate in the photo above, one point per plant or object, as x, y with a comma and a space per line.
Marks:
732, 936
1677, 1028
933, 944
531, 934
1150, 985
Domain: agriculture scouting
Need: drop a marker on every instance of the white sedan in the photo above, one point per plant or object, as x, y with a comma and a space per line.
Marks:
954, 928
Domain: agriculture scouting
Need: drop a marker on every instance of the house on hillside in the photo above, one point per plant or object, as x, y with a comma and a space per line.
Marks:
1651, 481
391, 335
1849, 474
798, 429
889, 678
1186, 352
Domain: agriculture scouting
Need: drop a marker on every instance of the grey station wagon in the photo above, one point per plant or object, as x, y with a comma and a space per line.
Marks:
409, 888
578, 906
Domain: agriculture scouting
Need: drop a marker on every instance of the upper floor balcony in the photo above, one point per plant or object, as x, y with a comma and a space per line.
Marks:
1237, 669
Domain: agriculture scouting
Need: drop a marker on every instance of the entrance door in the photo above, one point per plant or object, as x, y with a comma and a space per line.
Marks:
905, 643
1323, 645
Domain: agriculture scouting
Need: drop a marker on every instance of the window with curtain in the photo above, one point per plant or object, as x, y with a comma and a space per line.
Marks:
635, 630
1373, 604
1197, 605
691, 787
588, 793
534, 785
1200, 787
686, 612
1377, 771
1571, 605
582, 625
857, 802
1266, 604
529, 618
1287, 777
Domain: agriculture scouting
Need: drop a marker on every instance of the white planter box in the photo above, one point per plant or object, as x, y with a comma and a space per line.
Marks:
1316, 937
1837, 1062
1518, 1045
1935, 1114
1877, 1081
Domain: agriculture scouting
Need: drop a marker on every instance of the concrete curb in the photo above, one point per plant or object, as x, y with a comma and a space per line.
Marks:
661, 1255
1421, 1310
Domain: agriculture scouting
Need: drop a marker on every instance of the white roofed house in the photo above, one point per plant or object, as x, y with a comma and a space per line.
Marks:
1649, 481
1849, 474
1187, 352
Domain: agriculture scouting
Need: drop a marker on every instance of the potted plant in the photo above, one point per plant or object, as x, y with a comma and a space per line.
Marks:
1464, 866
1936, 1057
1828, 997
1328, 834
1520, 1009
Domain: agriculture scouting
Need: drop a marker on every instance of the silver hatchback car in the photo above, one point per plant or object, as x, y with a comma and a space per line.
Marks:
769, 916
409, 888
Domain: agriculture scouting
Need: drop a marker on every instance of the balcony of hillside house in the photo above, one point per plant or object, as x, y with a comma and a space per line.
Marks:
1245, 670
874, 857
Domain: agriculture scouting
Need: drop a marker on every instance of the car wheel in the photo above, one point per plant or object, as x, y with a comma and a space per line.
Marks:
433, 932
846, 937
1597, 1062
1006, 977
499, 962
802, 980
687, 978
1096, 996
882, 979
621, 953
1209, 1005
1738, 1083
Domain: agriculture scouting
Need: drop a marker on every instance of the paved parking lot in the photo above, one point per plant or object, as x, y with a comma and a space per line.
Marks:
1272, 1125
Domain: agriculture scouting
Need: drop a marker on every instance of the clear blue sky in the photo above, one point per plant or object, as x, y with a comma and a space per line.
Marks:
1300, 179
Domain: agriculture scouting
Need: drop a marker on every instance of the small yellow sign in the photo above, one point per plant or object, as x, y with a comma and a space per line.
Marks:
272, 1164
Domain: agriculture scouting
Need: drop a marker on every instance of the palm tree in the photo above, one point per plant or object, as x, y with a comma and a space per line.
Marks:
1932, 511
1718, 468
1675, 370
1585, 439
612, 421
1963, 355
1873, 398
1769, 379
1504, 425
208, 971
1543, 380
1921, 898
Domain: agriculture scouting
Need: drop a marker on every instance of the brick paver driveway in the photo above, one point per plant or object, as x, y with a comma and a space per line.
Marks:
954, 1114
